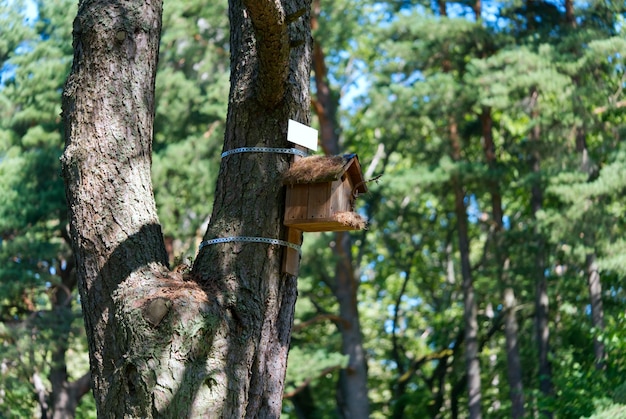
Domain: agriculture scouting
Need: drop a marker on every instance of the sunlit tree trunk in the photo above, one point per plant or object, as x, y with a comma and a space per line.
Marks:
212, 342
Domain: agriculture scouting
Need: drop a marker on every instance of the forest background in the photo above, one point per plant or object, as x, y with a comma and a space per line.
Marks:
494, 261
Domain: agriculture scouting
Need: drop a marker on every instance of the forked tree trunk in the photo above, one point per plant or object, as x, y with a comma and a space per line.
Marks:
212, 344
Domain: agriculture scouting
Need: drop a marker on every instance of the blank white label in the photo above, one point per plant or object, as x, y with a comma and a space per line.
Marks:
300, 134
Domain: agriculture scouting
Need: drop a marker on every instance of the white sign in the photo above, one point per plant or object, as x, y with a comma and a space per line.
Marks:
300, 134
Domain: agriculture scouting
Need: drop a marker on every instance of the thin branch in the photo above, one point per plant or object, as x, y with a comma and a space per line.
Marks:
308, 381
602, 109
40, 389
380, 153
320, 318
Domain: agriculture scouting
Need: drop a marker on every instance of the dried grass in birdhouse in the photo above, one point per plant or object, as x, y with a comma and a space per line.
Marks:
315, 169
351, 219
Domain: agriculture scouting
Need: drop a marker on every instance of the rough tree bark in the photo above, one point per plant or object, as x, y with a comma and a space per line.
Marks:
212, 342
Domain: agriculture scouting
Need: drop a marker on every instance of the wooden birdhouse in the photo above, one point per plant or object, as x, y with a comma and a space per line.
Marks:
321, 192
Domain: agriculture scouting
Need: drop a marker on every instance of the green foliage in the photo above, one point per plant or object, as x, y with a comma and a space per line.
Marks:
306, 364
191, 92
610, 411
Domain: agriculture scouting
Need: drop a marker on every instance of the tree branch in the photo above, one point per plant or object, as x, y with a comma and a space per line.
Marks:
602, 109
308, 381
40, 389
319, 318
82, 385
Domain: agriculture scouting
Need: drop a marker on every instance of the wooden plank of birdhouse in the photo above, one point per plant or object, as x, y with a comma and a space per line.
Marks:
296, 203
320, 224
337, 198
291, 257
356, 176
319, 197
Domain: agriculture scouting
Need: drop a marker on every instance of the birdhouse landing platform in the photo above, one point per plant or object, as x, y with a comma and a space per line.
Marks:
321, 192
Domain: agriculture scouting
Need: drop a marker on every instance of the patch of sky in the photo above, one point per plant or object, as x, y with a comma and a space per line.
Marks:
354, 91
473, 211
412, 302
461, 10
7, 71
407, 80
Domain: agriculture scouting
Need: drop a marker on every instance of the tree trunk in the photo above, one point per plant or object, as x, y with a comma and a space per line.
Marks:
594, 283
542, 327
65, 395
514, 366
352, 395
324, 106
513, 360
213, 343
469, 295
597, 310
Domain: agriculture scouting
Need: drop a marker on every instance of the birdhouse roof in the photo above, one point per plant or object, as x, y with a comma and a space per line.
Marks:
318, 169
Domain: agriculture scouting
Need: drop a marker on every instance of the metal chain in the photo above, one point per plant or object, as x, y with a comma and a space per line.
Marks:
294, 151
250, 240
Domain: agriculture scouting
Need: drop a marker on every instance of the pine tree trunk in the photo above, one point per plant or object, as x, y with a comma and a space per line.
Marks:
65, 394
594, 283
597, 309
214, 343
352, 397
352, 389
542, 327
469, 294
514, 367
514, 364
470, 309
